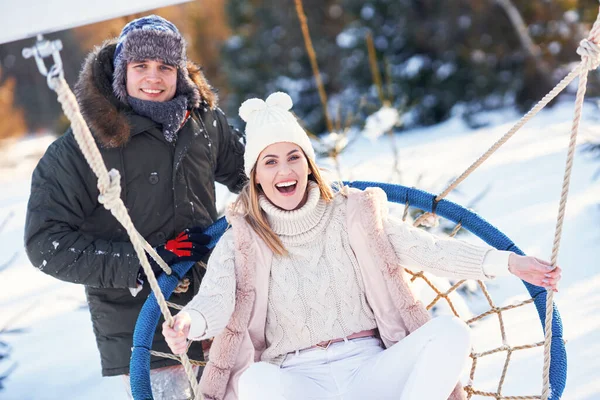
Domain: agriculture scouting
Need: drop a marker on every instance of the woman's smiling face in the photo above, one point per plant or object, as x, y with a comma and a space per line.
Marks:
282, 172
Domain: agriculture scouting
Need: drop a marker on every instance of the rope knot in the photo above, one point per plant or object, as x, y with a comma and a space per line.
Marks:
429, 220
590, 54
110, 196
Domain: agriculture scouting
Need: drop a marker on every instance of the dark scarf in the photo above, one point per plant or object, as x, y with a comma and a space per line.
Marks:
170, 114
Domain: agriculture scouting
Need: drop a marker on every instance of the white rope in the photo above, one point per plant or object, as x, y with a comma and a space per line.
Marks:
590, 53
590, 60
500, 142
109, 185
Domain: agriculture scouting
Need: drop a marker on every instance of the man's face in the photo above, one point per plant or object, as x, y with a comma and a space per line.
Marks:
151, 80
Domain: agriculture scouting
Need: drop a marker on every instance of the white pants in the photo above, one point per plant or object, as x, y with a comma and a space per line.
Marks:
425, 365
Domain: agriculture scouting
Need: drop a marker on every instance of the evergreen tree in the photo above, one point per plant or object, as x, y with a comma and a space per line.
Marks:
266, 53
434, 56
464, 52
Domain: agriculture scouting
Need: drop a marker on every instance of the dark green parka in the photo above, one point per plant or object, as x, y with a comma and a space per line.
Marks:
166, 188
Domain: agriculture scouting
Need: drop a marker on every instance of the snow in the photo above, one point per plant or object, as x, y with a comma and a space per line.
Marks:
329, 142
517, 190
445, 70
348, 38
381, 122
571, 16
367, 12
413, 66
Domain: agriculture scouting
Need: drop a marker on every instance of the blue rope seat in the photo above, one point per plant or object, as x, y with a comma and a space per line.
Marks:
150, 313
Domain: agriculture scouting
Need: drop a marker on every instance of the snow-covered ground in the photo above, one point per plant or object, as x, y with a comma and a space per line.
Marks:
47, 325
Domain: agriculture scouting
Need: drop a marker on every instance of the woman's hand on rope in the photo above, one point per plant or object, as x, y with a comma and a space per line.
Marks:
176, 337
535, 271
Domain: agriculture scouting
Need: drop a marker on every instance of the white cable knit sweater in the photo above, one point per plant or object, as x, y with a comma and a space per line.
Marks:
316, 292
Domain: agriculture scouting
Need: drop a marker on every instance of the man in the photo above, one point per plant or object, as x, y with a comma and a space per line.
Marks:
155, 119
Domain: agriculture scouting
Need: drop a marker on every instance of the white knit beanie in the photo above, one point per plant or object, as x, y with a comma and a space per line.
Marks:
269, 122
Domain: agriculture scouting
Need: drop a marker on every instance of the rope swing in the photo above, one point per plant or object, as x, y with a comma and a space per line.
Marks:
110, 196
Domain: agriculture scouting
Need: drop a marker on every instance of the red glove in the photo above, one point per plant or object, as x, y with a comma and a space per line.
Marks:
189, 245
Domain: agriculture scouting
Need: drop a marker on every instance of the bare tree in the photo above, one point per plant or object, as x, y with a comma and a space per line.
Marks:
533, 50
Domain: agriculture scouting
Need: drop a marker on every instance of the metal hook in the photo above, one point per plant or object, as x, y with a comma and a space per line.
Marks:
42, 49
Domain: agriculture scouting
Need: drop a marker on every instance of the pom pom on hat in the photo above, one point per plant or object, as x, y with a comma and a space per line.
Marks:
250, 106
277, 99
281, 100
269, 122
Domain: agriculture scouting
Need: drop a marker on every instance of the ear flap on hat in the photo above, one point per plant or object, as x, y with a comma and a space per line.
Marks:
119, 83
187, 87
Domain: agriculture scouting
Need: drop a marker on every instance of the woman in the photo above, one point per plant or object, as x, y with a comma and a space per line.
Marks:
306, 294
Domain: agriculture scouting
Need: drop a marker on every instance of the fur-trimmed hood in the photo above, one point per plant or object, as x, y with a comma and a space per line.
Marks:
108, 117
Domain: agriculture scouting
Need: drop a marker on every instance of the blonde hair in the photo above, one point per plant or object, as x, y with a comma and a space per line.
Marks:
247, 204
